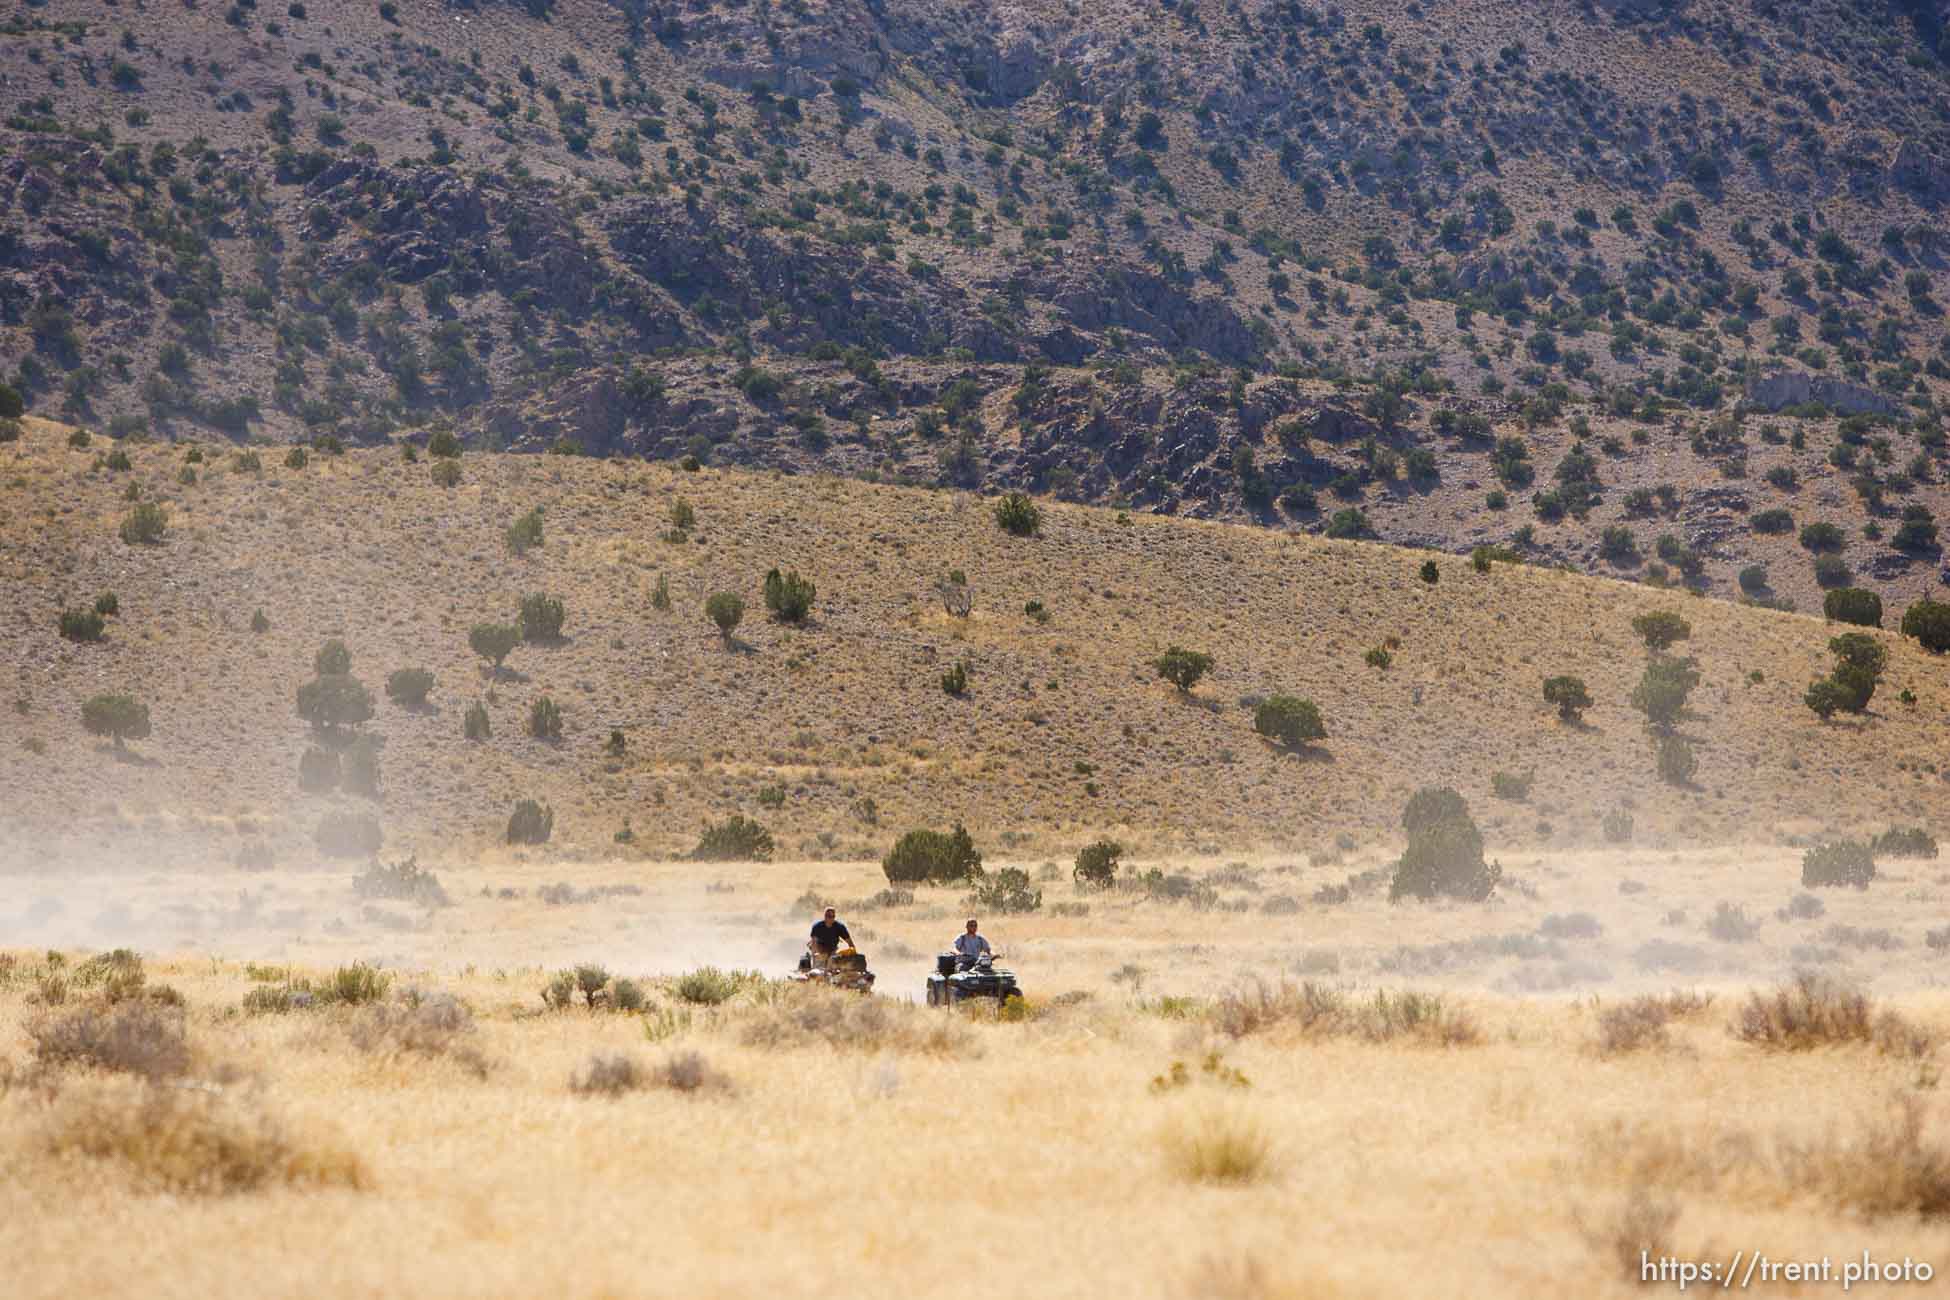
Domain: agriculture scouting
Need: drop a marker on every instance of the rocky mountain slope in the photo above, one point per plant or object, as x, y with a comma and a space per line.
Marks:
1323, 267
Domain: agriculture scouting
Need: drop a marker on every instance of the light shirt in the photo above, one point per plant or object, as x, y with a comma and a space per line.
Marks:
971, 945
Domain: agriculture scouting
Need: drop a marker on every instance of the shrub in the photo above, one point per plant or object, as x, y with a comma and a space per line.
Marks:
333, 701
1825, 697
119, 717
545, 719
1853, 605
1901, 842
1290, 720
955, 680
931, 857
409, 687
1663, 690
1349, 524
81, 625
443, 445
1430, 573
1018, 515
1378, 657
707, 986
609, 1074
1675, 760
145, 525
12, 407
1860, 659
725, 609
1445, 850
476, 725
1097, 864
1772, 521
1831, 571
1731, 924
1753, 579
1617, 826
1843, 862
1661, 628
356, 985
1514, 786
530, 823
1929, 622
445, 473
494, 642
1809, 1012
406, 882
541, 618
1181, 667
525, 532
1568, 696
362, 766
332, 660
318, 770
297, 458
788, 596
108, 605
1821, 537
187, 1143
135, 1036
342, 834
259, 623
1008, 891
735, 839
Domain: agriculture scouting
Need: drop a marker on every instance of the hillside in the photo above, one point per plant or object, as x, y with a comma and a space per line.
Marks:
838, 734
1262, 261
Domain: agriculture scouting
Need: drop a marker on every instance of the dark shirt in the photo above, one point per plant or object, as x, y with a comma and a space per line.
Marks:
827, 935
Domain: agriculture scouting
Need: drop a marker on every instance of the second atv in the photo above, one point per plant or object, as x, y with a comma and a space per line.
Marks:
957, 978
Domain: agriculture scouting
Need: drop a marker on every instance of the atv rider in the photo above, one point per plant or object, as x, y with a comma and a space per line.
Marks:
971, 947
827, 935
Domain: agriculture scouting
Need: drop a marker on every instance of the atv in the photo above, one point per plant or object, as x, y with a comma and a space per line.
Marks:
957, 978
845, 969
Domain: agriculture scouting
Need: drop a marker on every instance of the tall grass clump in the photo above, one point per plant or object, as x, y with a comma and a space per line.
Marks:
1223, 1145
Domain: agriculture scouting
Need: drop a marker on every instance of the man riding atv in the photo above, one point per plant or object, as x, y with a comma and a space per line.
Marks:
831, 959
827, 936
968, 970
969, 946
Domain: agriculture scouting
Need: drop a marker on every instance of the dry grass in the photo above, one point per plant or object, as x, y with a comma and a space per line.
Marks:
1218, 1145
1882, 1162
811, 1015
1374, 1150
1318, 1010
194, 1143
1641, 1225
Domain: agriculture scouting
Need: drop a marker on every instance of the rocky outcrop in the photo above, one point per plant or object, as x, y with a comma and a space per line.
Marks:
1798, 388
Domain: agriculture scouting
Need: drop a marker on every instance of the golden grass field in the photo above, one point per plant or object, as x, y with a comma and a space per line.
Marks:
1246, 1095
891, 1149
